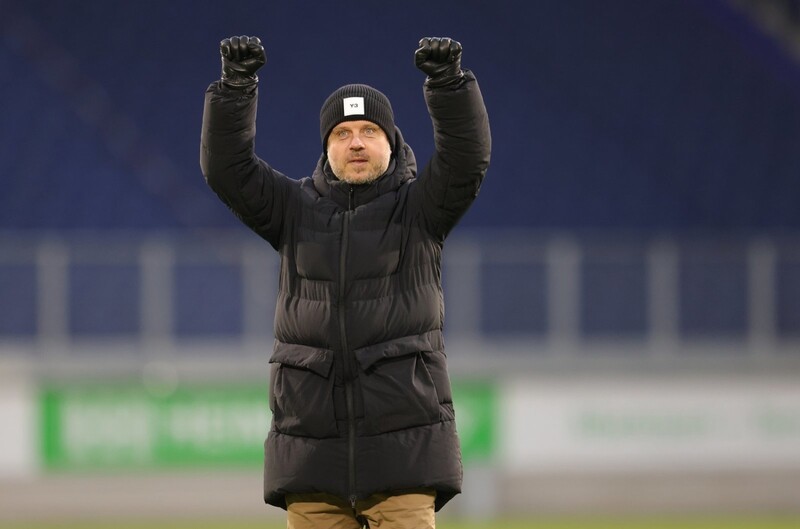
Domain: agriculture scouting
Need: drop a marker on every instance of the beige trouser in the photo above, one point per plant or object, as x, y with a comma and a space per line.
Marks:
385, 511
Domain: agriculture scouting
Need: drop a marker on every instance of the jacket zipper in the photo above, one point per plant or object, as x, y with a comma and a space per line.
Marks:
349, 369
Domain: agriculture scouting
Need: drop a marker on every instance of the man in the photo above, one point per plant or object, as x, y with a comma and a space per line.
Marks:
363, 428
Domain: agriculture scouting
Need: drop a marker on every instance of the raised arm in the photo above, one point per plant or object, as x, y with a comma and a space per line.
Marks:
256, 193
451, 180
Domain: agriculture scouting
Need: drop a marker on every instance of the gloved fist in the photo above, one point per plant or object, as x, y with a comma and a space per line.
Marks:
241, 58
440, 59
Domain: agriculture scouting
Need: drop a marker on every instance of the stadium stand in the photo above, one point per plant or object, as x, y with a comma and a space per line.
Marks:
677, 119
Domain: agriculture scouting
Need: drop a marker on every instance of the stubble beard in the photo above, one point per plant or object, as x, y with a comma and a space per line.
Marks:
364, 176
373, 170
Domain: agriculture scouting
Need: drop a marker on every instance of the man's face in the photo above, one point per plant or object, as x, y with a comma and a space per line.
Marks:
358, 151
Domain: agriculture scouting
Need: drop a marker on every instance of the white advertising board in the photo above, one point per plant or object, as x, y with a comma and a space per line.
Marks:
650, 424
18, 432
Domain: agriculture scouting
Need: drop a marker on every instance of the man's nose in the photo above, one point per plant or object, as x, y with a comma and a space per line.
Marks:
356, 142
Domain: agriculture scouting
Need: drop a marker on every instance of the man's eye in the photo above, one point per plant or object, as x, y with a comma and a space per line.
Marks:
370, 131
341, 134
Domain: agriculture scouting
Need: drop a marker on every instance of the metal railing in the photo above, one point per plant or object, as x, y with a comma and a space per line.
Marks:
520, 292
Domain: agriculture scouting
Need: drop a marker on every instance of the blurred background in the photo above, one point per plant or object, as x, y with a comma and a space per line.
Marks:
623, 299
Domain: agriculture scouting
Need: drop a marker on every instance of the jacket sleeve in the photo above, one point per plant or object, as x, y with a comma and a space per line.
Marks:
451, 180
254, 191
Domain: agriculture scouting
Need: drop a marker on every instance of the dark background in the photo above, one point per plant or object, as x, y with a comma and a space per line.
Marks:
665, 115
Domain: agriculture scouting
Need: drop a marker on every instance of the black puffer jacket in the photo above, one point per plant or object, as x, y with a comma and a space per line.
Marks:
359, 389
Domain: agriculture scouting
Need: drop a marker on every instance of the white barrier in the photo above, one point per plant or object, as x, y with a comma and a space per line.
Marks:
18, 426
650, 423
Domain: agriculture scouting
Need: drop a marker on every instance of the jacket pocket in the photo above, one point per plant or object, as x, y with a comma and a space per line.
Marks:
301, 391
397, 387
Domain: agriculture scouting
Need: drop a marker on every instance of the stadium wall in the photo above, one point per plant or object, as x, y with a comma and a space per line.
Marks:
533, 442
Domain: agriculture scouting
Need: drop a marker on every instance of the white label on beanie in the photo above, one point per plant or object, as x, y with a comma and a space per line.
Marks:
353, 105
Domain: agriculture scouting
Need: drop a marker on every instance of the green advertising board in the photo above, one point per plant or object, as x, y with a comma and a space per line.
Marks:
476, 417
102, 426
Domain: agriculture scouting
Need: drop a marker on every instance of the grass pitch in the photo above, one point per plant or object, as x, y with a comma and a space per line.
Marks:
567, 522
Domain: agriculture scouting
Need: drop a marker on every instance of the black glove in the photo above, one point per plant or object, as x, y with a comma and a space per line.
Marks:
440, 59
241, 58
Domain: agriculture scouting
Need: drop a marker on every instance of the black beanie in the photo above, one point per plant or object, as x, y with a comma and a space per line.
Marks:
354, 102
